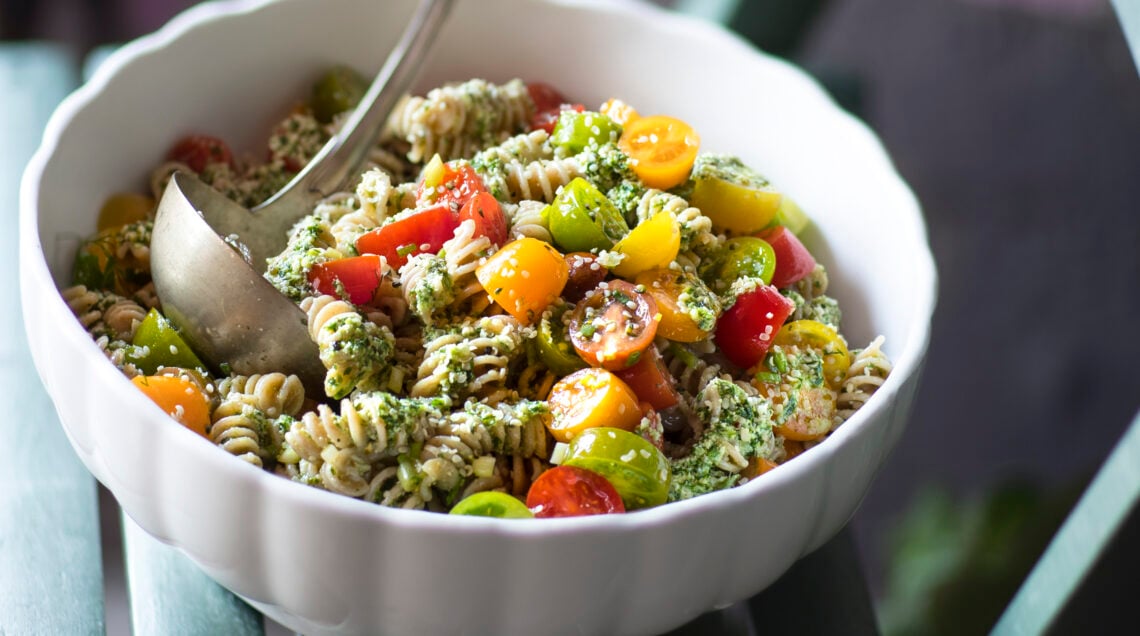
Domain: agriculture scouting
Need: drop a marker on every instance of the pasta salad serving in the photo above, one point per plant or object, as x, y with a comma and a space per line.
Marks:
525, 308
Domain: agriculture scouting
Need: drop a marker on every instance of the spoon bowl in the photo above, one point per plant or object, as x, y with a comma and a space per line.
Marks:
208, 253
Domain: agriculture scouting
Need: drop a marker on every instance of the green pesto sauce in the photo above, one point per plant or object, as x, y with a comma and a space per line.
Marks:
356, 352
733, 421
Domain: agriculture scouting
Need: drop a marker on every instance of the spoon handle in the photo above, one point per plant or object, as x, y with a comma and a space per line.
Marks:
340, 158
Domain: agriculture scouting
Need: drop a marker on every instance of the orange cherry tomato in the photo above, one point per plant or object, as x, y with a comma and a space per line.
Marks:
122, 208
661, 149
613, 325
589, 398
619, 111
524, 277
569, 491
178, 397
666, 286
812, 419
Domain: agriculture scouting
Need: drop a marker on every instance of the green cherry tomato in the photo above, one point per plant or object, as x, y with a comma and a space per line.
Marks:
748, 256
492, 504
791, 216
581, 218
577, 131
553, 345
338, 90
640, 473
158, 344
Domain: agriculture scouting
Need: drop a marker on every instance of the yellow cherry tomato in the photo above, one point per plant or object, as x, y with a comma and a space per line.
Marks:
810, 333
524, 277
737, 208
178, 397
652, 244
677, 324
589, 398
122, 208
661, 149
619, 111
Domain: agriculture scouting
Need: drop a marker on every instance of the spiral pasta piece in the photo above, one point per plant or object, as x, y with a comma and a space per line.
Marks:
356, 352
243, 431
526, 220
460, 119
274, 394
869, 369
471, 358
538, 180
462, 253
696, 228
508, 428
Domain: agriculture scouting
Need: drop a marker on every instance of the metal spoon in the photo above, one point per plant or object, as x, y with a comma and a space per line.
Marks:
227, 312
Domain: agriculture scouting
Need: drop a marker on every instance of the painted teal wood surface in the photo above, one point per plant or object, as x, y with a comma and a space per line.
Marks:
1102, 510
51, 575
170, 595
1128, 11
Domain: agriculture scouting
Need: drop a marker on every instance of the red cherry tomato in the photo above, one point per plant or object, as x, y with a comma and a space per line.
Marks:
613, 325
359, 276
544, 96
424, 231
569, 491
459, 183
197, 151
745, 331
651, 380
548, 119
585, 274
488, 215
793, 260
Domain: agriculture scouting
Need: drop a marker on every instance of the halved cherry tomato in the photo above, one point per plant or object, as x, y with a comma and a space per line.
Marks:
122, 208
197, 151
810, 333
548, 119
746, 330
813, 415
488, 215
157, 343
544, 96
553, 345
791, 216
653, 243
359, 276
793, 260
640, 473
757, 466
582, 219
651, 380
568, 491
619, 111
179, 397
740, 257
585, 274
734, 206
614, 324
661, 149
492, 504
424, 231
589, 398
666, 287
576, 131
455, 183
524, 277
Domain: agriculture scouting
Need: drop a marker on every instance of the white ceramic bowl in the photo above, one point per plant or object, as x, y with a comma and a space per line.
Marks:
318, 562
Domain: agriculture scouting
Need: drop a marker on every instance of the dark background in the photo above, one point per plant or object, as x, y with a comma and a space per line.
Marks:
1017, 123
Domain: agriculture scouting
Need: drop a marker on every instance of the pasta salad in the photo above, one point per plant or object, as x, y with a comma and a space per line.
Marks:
525, 308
